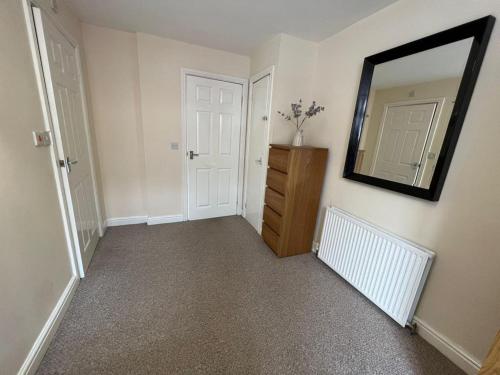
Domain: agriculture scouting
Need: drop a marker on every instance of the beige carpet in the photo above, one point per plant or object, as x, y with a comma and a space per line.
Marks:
208, 297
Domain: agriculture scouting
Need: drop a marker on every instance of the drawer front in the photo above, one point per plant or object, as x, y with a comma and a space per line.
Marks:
272, 219
278, 159
270, 238
275, 200
276, 180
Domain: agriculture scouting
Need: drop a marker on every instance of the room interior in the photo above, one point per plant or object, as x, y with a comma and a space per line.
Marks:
219, 188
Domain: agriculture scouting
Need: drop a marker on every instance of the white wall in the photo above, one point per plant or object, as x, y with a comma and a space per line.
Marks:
265, 55
34, 261
295, 61
113, 73
462, 296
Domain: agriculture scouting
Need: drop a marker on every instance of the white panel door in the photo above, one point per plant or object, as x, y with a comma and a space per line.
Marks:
62, 80
402, 142
258, 147
213, 117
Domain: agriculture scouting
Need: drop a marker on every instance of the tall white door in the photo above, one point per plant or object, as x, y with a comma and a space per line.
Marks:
62, 79
213, 117
402, 140
258, 147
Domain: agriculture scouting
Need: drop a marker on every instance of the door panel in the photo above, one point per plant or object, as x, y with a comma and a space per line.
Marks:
203, 187
213, 115
257, 150
203, 132
223, 184
62, 80
402, 140
225, 133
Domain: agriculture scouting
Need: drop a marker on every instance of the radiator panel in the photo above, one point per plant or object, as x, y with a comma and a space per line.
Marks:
387, 269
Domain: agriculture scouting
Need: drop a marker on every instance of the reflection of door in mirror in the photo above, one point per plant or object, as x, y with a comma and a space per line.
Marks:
403, 136
389, 104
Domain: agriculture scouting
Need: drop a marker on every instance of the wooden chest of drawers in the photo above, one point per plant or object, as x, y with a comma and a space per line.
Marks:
294, 182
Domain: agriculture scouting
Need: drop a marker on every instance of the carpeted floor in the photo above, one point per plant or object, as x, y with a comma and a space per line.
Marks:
208, 297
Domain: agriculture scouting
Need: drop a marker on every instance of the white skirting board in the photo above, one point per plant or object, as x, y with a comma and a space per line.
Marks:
149, 220
129, 220
43, 340
153, 220
451, 350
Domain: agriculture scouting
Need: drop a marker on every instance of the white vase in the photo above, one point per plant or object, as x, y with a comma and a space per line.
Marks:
298, 139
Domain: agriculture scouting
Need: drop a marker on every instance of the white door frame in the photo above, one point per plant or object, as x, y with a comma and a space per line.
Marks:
241, 163
430, 136
256, 77
61, 180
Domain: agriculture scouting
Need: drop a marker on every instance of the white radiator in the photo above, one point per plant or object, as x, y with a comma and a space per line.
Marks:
387, 269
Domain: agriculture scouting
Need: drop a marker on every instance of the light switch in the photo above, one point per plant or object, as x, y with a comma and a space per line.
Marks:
174, 146
41, 138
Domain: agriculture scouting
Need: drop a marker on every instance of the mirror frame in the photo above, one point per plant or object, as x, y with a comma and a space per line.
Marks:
480, 30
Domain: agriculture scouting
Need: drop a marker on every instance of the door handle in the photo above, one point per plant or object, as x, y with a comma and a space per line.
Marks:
192, 155
67, 163
415, 165
259, 161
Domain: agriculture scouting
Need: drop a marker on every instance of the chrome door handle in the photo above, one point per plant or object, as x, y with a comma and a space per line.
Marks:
192, 155
415, 165
67, 163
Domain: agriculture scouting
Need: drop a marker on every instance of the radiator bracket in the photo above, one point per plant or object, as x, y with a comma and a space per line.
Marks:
412, 327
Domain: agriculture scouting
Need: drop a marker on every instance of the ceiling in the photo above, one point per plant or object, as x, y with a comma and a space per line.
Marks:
232, 25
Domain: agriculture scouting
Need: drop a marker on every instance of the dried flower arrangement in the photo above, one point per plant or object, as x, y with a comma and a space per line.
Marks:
297, 116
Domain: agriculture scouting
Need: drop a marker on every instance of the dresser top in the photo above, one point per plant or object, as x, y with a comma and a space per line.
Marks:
290, 147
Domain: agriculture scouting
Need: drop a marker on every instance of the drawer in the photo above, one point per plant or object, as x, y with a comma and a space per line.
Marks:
270, 238
272, 219
278, 159
275, 200
276, 180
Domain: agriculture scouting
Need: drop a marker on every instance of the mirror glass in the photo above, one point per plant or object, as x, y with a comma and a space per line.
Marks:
408, 110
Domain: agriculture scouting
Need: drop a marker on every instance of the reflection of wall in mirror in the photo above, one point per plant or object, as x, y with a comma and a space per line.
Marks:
445, 88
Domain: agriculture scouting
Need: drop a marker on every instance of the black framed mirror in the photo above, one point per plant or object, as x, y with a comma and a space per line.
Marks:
411, 105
